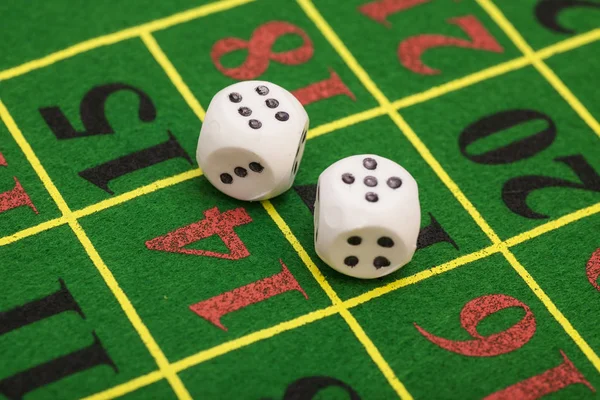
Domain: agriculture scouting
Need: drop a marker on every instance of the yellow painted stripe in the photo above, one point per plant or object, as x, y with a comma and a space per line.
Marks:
32, 158
569, 44
130, 311
194, 13
235, 344
153, 187
461, 83
342, 50
553, 225
346, 122
497, 70
444, 177
34, 230
420, 276
569, 97
94, 256
366, 80
566, 325
127, 387
550, 76
119, 36
506, 26
370, 85
341, 123
173, 75
251, 338
352, 323
102, 205
376, 355
68, 53
287, 232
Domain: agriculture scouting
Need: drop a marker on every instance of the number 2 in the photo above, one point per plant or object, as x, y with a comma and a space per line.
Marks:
411, 50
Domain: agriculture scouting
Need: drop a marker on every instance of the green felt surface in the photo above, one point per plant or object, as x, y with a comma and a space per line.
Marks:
97, 284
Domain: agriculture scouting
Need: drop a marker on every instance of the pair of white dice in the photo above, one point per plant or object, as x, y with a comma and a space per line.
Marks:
367, 212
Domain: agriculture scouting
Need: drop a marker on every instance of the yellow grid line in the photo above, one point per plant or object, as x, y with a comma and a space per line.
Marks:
360, 334
135, 193
183, 89
199, 12
34, 230
366, 80
554, 311
106, 274
119, 36
569, 44
537, 62
421, 276
368, 83
127, 387
345, 122
173, 75
553, 225
102, 205
235, 344
429, 94
457, 84
254, 337
460, 83
518, 40
351, 62
298, 248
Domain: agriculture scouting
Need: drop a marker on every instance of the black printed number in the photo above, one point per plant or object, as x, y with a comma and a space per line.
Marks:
500, 122
309, 387
92, 112
93, 116
516, 190
547, 13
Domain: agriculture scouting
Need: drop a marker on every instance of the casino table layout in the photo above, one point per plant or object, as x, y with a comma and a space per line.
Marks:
125, 274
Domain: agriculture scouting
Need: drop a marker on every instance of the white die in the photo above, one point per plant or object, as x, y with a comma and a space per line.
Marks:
252, 140
367, 216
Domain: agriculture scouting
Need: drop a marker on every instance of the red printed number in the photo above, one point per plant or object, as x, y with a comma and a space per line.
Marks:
259, 50
379, 10
216, 307
333, 86
214, 223
16, 197
550, 381
260, 54
487, 346
592, 269
504, 342
411, 50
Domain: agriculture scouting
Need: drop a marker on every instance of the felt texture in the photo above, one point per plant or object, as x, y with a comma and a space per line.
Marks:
108, 121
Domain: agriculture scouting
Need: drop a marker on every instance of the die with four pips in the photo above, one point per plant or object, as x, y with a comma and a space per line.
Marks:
367, 214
